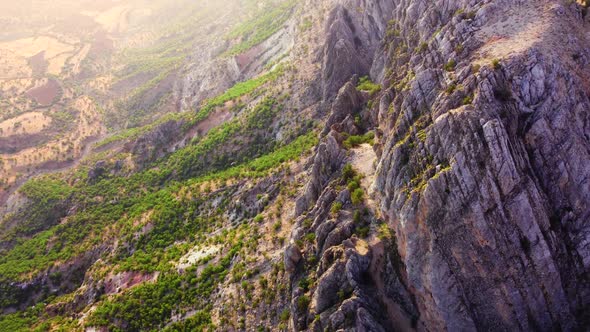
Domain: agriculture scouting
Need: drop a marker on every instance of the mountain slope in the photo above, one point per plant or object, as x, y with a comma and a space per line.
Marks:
380, 166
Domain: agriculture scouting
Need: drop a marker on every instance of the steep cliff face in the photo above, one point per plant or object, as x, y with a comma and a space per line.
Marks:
483, 171
490, 199
448, 187
210, 70
354, 30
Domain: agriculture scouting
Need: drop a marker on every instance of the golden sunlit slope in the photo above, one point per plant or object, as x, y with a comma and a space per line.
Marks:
81, 67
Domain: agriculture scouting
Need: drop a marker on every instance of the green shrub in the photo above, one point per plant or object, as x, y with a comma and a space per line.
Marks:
303, 302
450, 66
304, 284
16, 322
422, 48
365, 84
363, 232
336, 207
357, 196
451, 88
357, 120
276, 226
357, 217
356, 140
348, 172
496, 64
353, 185
384, 232
285, 314
467, 100
475, 69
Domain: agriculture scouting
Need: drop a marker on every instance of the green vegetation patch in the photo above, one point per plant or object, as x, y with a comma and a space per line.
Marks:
365, 84
46, 190
356, 140
21, 321
196, 159
150, 306
49, 195
130, 199
260, 166
260, 28
450, 66
237, 91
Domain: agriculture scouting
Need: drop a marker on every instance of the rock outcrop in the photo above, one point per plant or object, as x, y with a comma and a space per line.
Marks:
485, 166
354, 30
156, 143
484, 147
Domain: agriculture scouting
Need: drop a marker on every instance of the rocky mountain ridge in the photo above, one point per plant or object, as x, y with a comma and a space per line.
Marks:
448, 188
482, 172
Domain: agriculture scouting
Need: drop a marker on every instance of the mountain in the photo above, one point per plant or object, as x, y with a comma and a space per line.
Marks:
306, 165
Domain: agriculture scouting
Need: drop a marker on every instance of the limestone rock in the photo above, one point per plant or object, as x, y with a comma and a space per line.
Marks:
292, 257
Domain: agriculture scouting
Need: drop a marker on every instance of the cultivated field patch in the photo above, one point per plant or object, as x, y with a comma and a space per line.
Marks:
45, 94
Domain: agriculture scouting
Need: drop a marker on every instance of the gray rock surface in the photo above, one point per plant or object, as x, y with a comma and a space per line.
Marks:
484, 168
494, 232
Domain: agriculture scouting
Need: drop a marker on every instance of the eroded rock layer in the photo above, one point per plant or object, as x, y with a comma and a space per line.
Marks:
483, 171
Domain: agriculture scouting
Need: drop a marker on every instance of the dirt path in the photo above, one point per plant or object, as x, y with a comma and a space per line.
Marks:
522, 25
363, 160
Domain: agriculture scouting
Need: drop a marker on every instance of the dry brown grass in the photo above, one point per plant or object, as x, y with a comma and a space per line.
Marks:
28, 123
